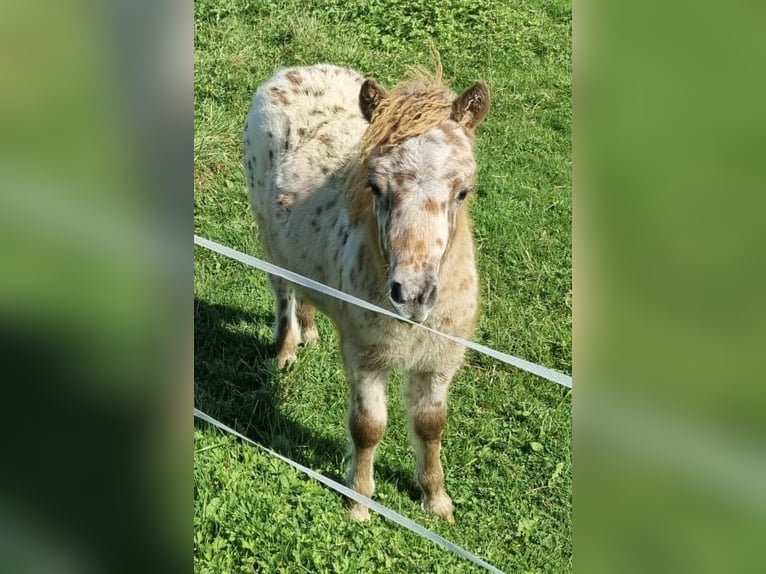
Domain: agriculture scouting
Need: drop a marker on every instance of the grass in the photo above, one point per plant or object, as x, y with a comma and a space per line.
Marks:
507, 446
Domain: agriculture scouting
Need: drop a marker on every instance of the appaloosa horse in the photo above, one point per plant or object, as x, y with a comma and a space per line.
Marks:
366, 190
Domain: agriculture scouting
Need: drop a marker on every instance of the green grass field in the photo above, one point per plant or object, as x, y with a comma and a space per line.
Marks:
507, 446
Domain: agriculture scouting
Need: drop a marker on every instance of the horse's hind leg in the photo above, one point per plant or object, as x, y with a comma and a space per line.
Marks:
427, 409
309, 333
286, 330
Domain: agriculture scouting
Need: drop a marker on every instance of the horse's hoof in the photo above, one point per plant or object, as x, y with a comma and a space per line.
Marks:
285, 360
310, 336
441, 506
359, 513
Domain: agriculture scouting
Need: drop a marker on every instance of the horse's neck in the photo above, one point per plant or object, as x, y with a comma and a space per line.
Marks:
361, 215
353, 180
459, 259
377, 263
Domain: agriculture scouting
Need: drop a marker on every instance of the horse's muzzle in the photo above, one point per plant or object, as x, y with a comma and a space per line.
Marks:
414, 300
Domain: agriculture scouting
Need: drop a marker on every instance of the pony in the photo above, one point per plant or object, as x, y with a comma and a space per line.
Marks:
367, 190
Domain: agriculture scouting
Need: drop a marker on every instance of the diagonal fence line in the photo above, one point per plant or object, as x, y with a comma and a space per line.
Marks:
352, 494
535, 369
539, 370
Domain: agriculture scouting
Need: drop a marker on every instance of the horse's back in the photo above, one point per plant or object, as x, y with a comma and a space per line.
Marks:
302, 126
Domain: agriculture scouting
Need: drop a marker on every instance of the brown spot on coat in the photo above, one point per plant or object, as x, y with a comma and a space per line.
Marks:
429, 424
305, 314
279, 96
294, 77
403, 178
365, 431
431, 206
285, 200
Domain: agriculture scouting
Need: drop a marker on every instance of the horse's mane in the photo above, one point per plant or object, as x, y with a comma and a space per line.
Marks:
416, 105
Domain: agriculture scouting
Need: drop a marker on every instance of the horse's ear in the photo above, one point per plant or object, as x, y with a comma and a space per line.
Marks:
471, 107
370, 95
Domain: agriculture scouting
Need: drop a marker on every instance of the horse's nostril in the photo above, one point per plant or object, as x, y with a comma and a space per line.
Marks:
432, 293
428, 295
396, 292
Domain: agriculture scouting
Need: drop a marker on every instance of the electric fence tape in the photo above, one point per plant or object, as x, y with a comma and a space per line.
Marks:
352, 494
535, 369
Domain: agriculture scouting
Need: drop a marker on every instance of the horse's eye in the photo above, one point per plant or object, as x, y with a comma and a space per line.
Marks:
374, 189
463, 193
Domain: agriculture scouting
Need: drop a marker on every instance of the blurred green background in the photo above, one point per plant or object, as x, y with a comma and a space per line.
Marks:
670, 315
95, 252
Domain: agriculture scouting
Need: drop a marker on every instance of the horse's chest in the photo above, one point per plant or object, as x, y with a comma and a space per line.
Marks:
396, 345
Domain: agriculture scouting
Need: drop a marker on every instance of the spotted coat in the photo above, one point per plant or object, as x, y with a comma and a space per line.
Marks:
390, 227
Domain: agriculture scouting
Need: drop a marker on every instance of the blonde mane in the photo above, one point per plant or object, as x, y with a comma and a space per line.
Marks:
415, 106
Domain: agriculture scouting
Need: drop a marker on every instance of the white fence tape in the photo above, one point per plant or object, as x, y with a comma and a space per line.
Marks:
535, 369
352, 494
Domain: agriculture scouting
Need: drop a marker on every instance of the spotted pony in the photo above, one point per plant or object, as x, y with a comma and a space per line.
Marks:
367, 190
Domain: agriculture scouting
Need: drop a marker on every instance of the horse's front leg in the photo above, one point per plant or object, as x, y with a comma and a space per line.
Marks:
366, 424
427, 409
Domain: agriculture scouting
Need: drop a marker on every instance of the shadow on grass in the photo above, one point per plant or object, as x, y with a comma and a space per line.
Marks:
236, 382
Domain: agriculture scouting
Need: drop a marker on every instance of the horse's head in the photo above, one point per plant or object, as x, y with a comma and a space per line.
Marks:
419, 152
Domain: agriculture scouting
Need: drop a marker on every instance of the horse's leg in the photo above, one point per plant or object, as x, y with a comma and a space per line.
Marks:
286, 331
366, 423
309, 333
427, 409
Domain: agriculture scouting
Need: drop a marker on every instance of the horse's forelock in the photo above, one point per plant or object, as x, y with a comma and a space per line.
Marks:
408, 111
